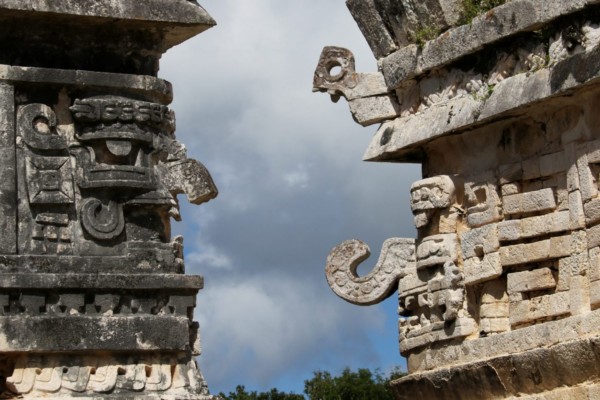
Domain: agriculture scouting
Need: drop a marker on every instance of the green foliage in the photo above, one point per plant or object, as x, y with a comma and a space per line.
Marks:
360, 385
473, 8
425, 34
241, 394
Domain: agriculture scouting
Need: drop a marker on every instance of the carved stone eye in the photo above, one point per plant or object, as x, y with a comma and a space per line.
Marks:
119, 148
42, 125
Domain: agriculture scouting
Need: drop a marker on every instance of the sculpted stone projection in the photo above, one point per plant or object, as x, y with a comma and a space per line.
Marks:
93, 297
499, 293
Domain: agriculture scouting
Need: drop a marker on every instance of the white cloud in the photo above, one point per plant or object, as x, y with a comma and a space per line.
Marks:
263, 325
209, 256
297, 178
292, 185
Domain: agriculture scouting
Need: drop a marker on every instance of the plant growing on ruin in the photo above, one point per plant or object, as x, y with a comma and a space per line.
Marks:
473, 8
425, 34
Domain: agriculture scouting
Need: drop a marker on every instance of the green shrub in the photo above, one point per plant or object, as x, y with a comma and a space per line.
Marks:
473, 8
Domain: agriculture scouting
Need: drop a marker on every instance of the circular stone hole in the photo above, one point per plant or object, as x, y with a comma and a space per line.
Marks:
335, 70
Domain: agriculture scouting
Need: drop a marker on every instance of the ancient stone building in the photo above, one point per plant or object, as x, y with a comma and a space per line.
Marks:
499, 295
93, 297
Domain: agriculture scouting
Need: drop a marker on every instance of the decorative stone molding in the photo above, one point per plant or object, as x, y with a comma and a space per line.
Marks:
94, 302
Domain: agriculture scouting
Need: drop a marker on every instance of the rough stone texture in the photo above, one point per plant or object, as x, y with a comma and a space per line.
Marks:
94, 302
501, 300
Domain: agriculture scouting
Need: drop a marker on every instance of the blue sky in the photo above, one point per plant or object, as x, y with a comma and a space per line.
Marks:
292, 185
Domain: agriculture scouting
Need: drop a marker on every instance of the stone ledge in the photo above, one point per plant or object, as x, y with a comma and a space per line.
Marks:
158, 89
506, 344
101, 281
400, 139
535, 371
504, 21
10, 264
78, 333
181, 12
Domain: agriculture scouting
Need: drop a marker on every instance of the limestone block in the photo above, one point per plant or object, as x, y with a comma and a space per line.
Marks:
413, 282
372, 20
579, 243
537, 201
553, 163
510, 173
537, 251
478, 270
494, 310
479, 241
459, 328
565, 271
595, 294
546, 306
528, 281
510, 188
371, 110
576, 213
494, 291
572, 171
594, 264
580, 295
509, 230
31, 303
591, 210
8, 196
588, 171
545, 224
560, 246
531, 168
494, 325
437, 250
593, 151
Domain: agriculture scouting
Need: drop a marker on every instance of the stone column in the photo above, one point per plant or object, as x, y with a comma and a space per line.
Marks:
93, 297
499, 294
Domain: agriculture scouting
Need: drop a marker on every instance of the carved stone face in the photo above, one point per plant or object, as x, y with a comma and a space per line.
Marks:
104, 180
430, 194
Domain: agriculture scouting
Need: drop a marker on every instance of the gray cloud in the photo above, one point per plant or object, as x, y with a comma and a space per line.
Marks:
292, 186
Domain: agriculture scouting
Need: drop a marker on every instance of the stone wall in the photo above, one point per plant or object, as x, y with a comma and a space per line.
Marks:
498, 294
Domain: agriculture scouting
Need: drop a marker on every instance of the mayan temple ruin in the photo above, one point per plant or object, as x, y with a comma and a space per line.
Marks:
499, 294
94, 302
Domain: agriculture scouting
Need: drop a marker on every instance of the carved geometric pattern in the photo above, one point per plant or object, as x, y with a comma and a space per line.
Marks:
34, 376
49, 180
95, 305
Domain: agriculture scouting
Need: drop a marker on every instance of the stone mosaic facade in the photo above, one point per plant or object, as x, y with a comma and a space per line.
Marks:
499, 294
93, 297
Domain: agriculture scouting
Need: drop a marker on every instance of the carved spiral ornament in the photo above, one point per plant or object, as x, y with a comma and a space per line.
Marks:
37, 126
343, 261
101, 221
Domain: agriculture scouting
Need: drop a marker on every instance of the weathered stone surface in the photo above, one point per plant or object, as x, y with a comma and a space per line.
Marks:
529, 281
109, 377
93, 300
540, 371
119, 36
502, 114
397, 255
512, 94
510, 19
